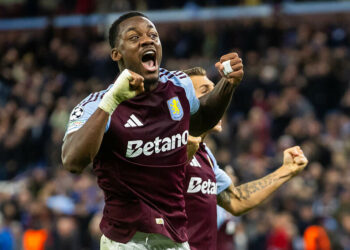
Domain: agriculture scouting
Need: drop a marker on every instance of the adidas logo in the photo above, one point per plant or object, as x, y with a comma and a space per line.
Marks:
133, 122
194, 162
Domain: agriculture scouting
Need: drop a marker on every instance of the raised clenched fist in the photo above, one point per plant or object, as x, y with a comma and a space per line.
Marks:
126, 86
294, 160
136, 83
230, 67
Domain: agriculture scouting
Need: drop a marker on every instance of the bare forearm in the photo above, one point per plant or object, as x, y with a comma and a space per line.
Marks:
81, 147
241, 199
212, 107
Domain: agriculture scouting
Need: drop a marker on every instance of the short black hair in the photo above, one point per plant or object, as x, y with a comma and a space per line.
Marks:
114, 29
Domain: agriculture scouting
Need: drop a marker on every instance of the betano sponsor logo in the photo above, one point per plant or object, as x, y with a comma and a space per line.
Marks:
198, 185
136, 148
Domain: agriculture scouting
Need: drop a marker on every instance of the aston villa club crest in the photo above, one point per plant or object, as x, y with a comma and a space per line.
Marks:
175, 108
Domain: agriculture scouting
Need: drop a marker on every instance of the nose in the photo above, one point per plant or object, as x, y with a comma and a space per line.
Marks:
146, 40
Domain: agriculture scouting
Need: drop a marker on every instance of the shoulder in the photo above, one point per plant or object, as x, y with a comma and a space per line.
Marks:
88, 105
82, 112
179, 78
211, 156
182, 80
93, 98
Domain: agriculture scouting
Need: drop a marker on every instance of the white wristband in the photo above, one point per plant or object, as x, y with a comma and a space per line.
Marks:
119, 92
227, 67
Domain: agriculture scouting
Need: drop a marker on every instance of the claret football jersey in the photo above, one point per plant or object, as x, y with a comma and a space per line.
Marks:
140, 165
204, 180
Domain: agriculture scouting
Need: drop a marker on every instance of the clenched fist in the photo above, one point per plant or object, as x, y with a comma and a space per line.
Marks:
294, 160
128, 85
136, 83
233, 70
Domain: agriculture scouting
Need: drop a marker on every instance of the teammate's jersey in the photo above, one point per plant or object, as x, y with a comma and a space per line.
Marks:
204, 180
141, 162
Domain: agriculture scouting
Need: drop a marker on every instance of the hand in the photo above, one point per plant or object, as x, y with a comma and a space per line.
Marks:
236, 76
192, 146
128, 85
294, 160
136, 83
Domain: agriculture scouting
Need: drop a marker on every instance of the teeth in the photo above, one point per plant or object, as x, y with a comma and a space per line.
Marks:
149, 53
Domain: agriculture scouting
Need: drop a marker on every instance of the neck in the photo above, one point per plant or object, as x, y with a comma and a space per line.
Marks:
203, 136
150, 85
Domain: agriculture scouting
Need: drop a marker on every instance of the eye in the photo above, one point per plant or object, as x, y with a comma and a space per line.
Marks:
154, 36
134, 37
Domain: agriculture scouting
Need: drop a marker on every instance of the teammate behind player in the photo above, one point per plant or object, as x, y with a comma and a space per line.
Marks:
135, 133
207, 185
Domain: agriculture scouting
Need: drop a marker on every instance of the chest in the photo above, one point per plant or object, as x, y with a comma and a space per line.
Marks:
151, 125
200, 177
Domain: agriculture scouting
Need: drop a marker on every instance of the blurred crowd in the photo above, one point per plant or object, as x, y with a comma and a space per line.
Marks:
295, 91
21, 8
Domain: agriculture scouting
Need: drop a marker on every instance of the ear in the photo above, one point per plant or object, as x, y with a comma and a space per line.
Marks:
115, 55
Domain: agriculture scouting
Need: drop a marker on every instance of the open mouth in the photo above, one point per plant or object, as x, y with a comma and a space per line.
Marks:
149, 60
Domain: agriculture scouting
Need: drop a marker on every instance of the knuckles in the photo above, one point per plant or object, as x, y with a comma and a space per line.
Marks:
229, 56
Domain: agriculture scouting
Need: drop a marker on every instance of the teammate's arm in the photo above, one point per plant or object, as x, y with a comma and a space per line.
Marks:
80, 147
192, 146
238, 200
214, 104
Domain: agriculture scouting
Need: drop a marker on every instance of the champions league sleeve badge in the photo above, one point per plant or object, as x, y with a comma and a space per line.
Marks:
76, 113
175, 108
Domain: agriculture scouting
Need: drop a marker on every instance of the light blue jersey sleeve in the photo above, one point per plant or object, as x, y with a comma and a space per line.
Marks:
181, 79
223, 181
221, 216
82, 112
224, 216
